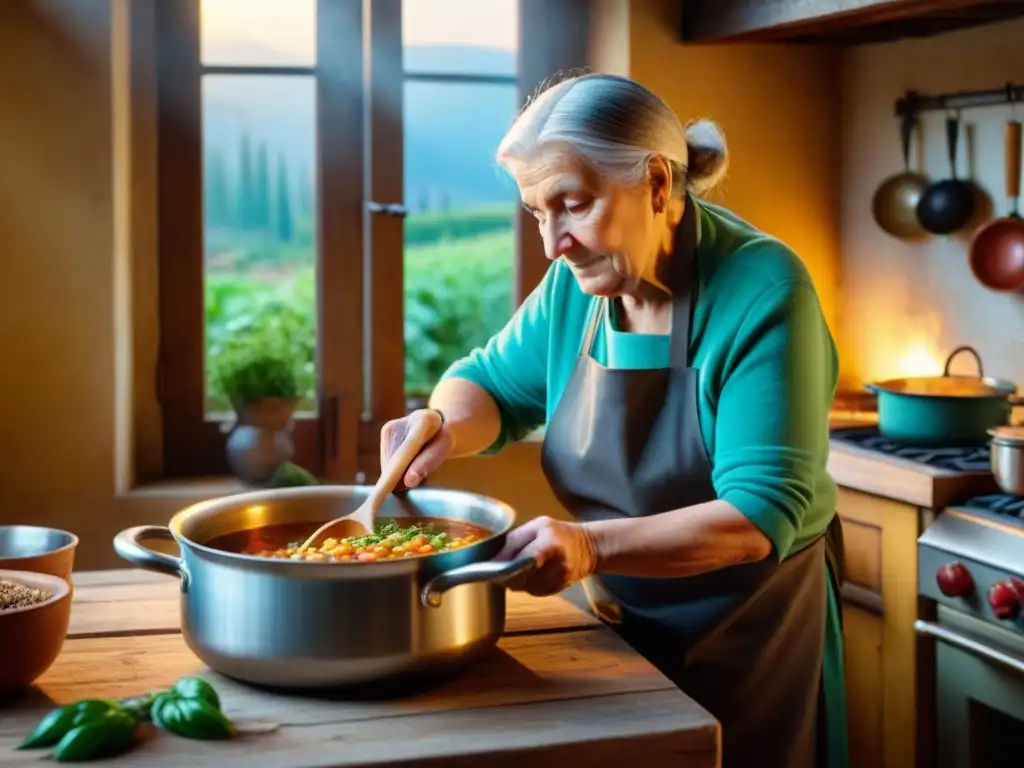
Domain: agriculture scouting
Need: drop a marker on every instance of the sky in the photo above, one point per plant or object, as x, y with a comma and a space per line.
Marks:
290, 25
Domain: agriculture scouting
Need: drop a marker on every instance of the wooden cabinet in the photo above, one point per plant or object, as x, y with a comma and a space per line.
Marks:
879, 610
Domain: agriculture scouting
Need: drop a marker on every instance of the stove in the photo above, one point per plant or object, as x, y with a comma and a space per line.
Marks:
952, 458
971, 570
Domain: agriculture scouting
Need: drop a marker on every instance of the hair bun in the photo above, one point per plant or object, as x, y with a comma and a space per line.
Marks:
708, 155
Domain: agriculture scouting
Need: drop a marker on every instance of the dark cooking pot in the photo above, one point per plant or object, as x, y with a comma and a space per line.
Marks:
303, 624
944, 410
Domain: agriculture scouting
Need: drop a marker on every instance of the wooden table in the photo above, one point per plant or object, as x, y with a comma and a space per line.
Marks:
560, 689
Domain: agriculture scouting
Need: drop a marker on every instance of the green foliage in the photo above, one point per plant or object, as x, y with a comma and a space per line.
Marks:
261, 215
247, 194
246, 371
260, 339
458, 292
428, 228
457, 295
233, 206
289, 475
283, 220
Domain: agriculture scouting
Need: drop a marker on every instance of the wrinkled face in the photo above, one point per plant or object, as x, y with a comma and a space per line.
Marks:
609, 234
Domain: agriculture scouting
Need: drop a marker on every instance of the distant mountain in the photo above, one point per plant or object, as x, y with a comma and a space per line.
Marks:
451, 130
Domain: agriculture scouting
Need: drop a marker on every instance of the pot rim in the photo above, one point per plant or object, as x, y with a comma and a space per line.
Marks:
71, 544
1011, 436
411, 564
1001, 388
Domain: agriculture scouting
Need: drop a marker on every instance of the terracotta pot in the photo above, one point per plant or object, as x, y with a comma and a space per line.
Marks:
261, 440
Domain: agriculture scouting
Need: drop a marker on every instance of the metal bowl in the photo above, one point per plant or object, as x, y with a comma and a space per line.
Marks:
37, 549
1006, 452
303, 624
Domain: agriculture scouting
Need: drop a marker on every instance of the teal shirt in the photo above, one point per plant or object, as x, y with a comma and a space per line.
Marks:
768, 373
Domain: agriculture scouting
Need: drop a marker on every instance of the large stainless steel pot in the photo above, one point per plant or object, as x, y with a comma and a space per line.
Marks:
296, 623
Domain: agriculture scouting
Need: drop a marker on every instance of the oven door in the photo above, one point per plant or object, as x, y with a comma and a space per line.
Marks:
979, 691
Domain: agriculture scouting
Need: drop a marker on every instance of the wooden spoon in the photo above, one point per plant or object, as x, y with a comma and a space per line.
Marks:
360, 522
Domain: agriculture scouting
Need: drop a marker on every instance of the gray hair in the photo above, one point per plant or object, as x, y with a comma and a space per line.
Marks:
617, 125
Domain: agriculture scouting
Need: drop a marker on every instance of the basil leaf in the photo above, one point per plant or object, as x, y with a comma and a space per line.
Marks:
58, 722
197, 688
102, 736
191, 718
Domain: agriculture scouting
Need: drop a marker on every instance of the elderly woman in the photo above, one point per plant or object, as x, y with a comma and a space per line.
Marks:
684, 370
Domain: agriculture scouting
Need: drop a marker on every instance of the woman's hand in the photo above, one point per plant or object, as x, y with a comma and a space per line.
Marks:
433, 453
565, 553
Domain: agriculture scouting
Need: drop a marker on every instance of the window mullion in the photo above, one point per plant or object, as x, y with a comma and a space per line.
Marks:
383, 315
340, 137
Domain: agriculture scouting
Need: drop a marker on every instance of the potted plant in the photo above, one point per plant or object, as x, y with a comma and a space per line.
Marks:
263, 388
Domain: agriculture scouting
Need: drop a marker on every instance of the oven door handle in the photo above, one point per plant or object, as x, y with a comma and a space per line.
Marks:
969, 645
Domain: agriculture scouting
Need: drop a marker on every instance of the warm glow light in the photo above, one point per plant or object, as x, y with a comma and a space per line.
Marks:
920, 360
899, 336
899, 355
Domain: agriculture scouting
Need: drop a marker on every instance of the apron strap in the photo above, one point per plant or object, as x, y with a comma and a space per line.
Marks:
597, 310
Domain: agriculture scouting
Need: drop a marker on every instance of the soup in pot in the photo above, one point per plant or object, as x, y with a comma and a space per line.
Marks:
391, 540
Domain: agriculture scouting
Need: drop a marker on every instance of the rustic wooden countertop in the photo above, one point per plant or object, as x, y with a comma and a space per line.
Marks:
561, 688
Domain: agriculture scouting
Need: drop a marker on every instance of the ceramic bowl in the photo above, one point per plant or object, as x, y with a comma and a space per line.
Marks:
41, 550
31, 638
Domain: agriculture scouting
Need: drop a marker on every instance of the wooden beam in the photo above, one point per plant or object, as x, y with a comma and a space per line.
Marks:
766, 20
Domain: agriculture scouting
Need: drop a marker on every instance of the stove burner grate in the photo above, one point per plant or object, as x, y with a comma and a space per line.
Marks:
956, 459
1002, 505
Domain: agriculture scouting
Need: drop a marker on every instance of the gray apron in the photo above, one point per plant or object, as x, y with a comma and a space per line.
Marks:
744, 641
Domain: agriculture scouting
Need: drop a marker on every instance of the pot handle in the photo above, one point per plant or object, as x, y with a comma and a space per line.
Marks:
957, 351
874, 389
127, 545
495, 571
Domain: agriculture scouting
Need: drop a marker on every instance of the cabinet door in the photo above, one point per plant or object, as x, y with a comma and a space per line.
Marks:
862, 637
879, 610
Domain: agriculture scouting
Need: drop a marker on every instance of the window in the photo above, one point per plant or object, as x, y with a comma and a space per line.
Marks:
460, 94
328, 193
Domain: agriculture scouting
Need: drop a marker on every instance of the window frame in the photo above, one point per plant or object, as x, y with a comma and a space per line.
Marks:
359, 159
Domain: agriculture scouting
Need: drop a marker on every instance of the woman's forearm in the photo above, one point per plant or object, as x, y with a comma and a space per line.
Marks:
683, 542
471, 416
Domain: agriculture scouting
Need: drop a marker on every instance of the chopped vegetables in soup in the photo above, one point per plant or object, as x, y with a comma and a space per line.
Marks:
390, 541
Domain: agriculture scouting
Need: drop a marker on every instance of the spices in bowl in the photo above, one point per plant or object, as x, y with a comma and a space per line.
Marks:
14, 594
35, 612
